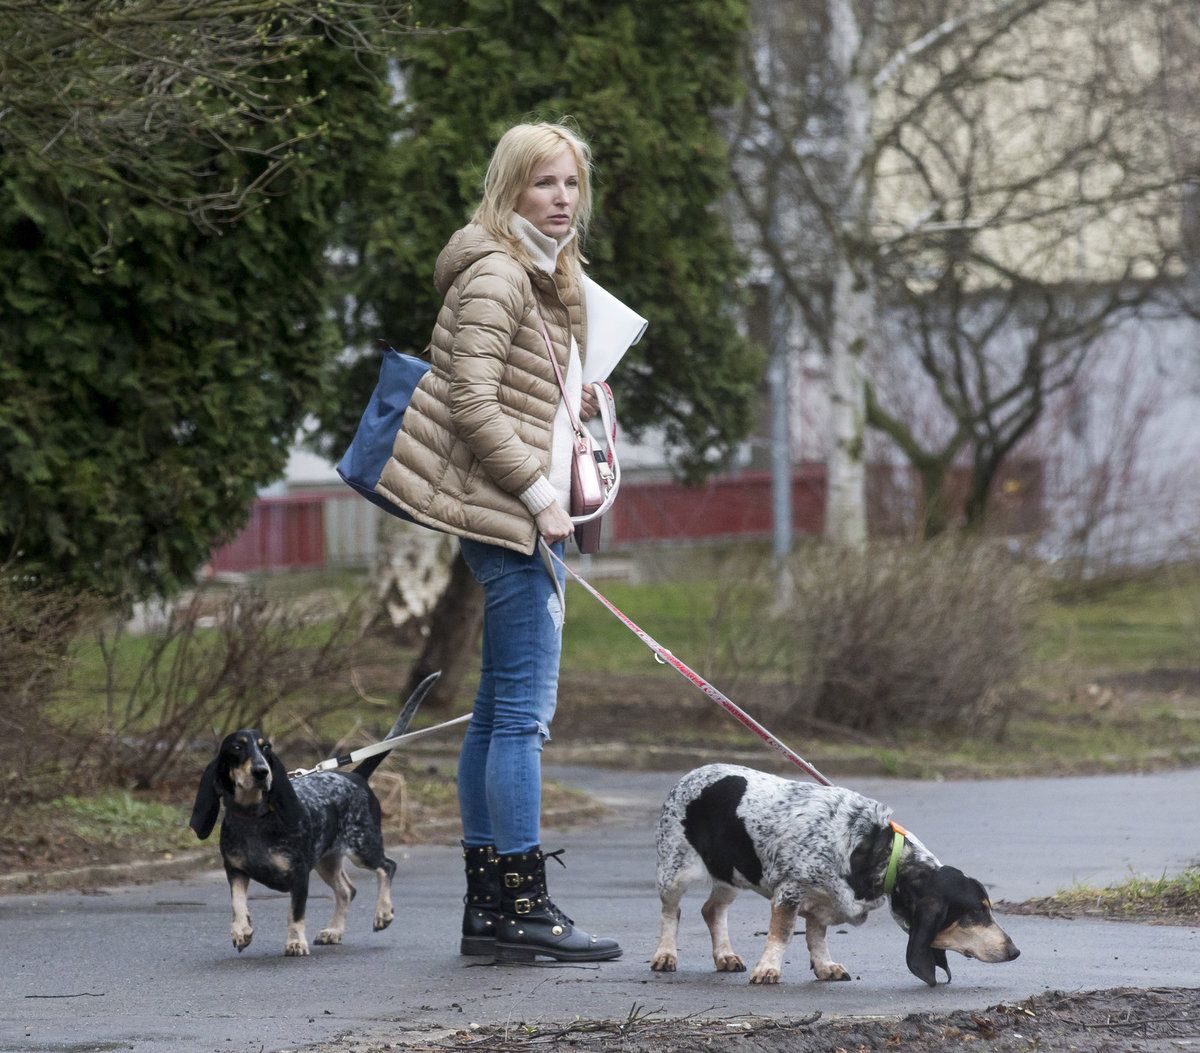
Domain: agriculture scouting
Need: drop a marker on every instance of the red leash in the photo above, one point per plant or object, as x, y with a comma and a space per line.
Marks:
689, 674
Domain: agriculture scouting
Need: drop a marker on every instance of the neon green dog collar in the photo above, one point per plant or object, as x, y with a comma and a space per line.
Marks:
893, 867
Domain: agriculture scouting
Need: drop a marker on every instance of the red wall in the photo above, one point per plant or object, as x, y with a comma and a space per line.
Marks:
288, 533
284, 533
738, 506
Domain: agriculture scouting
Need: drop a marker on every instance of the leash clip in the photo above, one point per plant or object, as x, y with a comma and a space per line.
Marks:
659, 657
299, 773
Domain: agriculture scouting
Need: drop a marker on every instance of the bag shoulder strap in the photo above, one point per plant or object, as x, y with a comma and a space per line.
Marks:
575, 425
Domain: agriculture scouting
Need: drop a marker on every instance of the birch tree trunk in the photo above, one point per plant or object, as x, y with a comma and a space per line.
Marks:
846, 474
412, 569
427, 596
854, 295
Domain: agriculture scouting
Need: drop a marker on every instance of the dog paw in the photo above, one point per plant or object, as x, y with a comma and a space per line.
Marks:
296, 948
383, 918
241, 936
663, 962
328, 936
830, 971
764, 975
729, 963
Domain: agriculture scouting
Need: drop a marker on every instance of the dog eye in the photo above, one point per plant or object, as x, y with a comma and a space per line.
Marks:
266, 747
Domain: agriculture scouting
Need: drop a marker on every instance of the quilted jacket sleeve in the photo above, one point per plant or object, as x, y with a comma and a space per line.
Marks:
490, 306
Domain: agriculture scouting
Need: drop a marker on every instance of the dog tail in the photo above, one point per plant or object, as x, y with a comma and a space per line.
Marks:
401, 726
367, 768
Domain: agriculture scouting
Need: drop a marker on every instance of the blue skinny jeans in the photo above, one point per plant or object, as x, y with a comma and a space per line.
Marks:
500, 766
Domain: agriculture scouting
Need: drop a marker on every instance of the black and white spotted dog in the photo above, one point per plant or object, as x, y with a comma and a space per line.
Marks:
817, 851
276, 832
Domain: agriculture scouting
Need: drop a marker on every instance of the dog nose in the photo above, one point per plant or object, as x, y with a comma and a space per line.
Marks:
1012, 951
261, 773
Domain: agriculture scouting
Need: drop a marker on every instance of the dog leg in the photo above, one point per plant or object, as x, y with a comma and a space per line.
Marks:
818, 952
297, 942
716, 916
333, 873
783, 920
667, 956
383, 899
240, 931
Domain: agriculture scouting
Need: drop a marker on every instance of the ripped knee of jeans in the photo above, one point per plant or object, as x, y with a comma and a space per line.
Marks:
543, 734
554, 609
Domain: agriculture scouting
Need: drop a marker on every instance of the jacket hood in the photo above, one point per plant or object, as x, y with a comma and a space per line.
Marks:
466, 246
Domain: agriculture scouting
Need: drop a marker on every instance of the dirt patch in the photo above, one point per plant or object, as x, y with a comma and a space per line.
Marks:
1116, 1021
1167, 912
1156, 681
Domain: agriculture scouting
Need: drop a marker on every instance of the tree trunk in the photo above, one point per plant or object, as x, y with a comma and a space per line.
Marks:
426, 595
845, 502
451, 643
935, 510
984, 467
412, 569
854, 300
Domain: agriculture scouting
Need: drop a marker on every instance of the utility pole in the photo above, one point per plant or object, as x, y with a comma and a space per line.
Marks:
778, 380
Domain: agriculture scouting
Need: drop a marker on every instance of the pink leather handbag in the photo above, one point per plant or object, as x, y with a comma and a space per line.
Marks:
595, 472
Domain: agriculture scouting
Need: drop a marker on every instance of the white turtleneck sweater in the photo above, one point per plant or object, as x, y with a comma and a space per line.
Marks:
543, 250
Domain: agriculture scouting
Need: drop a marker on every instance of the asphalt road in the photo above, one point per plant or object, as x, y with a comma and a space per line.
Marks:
151, 968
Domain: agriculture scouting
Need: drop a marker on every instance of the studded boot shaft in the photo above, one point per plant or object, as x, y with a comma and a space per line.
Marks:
531, 924
481, 904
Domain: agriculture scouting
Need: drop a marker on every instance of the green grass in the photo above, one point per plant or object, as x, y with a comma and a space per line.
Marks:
1137, 898
119, 815
1125, 626
679, 615
1122, 627
1082, 635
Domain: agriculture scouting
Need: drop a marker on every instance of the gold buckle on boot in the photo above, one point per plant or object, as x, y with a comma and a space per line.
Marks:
512, 880
522, 906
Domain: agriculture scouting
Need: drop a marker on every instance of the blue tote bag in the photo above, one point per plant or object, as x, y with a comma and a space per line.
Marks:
371, 447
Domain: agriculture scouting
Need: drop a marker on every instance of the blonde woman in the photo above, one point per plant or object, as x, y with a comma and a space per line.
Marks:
485, 454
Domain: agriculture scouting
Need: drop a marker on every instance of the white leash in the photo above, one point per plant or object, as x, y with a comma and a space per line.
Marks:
364, 752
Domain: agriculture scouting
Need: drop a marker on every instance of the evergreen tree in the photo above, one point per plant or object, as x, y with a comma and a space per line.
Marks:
642, 79
153, 373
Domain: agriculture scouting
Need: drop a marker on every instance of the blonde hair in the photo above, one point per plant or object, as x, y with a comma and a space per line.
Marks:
521, 149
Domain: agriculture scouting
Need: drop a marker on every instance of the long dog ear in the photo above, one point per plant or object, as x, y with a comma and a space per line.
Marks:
208, 801
282, 795
921, 957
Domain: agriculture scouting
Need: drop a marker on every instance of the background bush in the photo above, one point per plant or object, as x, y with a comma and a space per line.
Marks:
36, 627
861, 643
936, 635
223, 660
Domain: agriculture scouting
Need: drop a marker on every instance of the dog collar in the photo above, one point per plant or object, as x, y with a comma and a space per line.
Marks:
893, 867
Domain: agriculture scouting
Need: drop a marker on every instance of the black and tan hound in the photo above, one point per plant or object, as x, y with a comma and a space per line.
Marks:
276, 832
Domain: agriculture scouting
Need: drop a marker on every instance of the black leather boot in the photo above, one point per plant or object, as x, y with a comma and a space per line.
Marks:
530, 923
481, 904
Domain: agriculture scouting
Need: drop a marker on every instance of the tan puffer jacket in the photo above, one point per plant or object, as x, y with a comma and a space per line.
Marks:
477, 432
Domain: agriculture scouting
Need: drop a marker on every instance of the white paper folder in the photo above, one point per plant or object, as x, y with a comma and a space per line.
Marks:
612, 329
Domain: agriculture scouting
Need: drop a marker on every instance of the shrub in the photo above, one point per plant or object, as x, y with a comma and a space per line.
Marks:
222, 661
933, 635
37, 625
